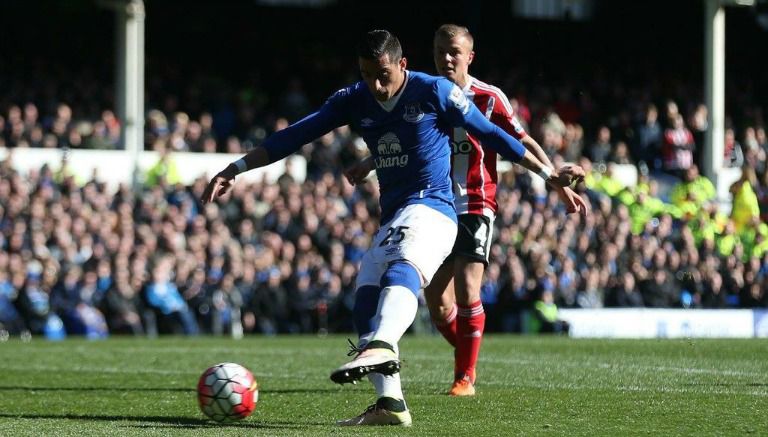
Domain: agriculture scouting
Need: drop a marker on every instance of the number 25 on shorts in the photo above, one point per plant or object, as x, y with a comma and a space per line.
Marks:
395, 235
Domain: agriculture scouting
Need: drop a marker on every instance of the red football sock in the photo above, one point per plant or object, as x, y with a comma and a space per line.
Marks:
447, 327
470, 326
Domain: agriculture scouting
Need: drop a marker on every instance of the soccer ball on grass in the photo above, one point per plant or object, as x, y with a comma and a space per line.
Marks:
227, 392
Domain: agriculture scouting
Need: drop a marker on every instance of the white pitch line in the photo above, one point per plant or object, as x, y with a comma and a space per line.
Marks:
607, 366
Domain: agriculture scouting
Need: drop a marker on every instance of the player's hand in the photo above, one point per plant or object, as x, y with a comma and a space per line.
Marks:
219, 185
573, 202
567, 175
357, 172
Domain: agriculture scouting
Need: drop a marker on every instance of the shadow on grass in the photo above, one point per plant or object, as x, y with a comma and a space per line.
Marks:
48, 388
163, 421
727, 384
267, 391
160, 389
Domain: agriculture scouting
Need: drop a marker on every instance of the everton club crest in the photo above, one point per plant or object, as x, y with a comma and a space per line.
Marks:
413, 113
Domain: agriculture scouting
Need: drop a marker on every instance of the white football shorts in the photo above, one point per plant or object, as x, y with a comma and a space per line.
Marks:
417, 234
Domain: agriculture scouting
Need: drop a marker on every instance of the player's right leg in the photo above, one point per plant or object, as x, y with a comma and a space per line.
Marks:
411, 248
441, 301
368, 357
397, 306
390, 407
376, 358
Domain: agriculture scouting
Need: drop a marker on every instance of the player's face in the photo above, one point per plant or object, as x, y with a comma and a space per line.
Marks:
452, 58
383, 77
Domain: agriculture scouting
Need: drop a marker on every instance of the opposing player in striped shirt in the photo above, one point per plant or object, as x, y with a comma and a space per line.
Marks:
453, 296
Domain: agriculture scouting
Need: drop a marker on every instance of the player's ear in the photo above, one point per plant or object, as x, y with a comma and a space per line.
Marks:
403, 63
470, 57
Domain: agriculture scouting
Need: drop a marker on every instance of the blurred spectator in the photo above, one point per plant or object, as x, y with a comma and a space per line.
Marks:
268, 304
602, 148
545, 316
225, 303
165, 171
76, 301
649, 139
694, 189
745, 203
10, 319
625, 293
620, 154
122, 306
172, 311
699, 124
489, 295
734, 155
714, 296
678, 147
658, 290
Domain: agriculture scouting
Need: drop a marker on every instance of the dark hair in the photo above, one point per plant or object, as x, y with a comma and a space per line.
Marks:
377, 43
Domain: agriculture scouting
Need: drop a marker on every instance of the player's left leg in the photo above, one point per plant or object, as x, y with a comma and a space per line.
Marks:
470, 259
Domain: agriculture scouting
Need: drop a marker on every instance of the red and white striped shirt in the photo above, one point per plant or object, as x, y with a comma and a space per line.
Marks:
678, 148
473, 166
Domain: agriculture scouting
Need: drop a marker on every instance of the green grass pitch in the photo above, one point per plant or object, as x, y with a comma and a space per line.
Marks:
526, 386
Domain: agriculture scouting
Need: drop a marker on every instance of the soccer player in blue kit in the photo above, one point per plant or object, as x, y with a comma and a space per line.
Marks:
405, 118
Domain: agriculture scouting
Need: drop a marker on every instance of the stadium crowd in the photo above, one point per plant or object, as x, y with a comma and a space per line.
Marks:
279, 258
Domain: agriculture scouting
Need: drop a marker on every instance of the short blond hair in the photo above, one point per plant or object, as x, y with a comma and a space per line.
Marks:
450, 31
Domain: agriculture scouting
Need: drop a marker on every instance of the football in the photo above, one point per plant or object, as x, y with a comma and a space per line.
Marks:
227, 392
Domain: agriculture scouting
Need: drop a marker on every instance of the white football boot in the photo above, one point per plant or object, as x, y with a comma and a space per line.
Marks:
375, 416
370, 360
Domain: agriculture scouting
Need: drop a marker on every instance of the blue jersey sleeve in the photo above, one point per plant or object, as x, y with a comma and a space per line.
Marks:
330, 116
461, 112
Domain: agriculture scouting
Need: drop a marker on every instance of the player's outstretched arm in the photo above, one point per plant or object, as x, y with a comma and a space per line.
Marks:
222, 182
276, 147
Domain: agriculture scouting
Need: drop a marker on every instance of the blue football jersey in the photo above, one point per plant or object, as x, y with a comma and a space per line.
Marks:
409, 143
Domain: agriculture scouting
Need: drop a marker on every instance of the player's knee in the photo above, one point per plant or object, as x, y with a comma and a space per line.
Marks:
404, 274
440, 313
439, 302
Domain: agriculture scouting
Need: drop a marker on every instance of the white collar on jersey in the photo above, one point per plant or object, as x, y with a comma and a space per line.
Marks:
389, 105
466, 88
